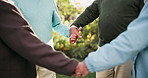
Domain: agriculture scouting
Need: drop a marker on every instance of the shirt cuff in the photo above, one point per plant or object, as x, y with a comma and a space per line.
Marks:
73, 26
89, 66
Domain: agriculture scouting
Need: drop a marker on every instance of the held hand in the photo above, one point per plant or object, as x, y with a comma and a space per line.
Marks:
74, 34
81, 70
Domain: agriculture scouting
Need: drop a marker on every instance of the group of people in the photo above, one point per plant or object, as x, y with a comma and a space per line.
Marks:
26, 39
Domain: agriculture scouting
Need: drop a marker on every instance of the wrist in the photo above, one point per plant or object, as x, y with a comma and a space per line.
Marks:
73, 26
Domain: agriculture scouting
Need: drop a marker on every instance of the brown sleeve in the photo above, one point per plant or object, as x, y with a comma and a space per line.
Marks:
17, 35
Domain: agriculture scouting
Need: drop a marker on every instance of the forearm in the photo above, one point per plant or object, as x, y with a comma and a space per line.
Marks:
17, 35
62, 30
89, 15
125, 46
58, 26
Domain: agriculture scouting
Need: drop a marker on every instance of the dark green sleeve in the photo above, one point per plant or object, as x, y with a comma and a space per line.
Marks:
90, 14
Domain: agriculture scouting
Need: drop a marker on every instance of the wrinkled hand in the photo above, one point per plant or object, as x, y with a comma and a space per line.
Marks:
81, 70
74, 34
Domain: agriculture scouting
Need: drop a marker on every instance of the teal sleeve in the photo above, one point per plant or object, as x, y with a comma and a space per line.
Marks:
125, 46
58, 27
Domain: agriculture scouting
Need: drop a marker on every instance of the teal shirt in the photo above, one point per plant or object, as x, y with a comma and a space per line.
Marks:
43, 16
131, 43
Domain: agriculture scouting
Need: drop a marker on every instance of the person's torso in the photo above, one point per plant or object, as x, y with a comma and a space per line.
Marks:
13, 65
39, 14
140, 69
115, 15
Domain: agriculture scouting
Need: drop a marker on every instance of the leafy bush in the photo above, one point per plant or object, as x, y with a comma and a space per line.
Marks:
84, 45
91, 75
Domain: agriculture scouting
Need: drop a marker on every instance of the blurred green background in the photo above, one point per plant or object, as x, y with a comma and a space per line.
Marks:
86, 44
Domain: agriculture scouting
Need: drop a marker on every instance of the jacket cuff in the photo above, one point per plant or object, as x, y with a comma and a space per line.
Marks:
89, 66
73, 26
72, 67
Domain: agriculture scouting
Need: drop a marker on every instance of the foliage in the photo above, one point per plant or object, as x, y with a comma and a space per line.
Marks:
67, 12
91, 75
84, 45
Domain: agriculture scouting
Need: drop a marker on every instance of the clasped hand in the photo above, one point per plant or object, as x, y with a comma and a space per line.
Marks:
74, 34
81, 70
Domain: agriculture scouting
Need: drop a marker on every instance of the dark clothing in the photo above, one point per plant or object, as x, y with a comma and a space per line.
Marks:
20, 49
114, 16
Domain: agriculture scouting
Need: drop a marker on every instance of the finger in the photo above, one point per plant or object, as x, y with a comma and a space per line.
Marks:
77, 75
73, 35
73, 41
76, 31
79, 35
79, 29
84, 74
73, 38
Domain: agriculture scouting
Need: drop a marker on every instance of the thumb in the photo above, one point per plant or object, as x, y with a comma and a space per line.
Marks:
79, 29
79, 35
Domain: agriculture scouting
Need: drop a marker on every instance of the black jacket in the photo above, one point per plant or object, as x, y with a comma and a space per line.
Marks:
114, 16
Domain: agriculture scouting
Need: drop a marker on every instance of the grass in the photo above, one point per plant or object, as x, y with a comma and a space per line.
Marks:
91, 75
